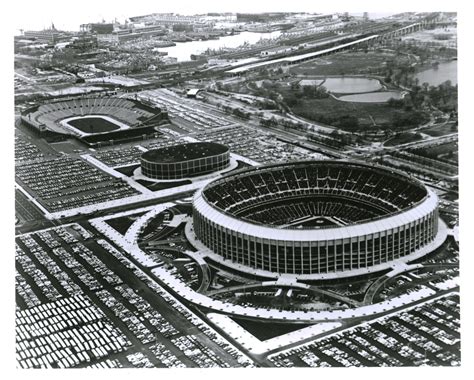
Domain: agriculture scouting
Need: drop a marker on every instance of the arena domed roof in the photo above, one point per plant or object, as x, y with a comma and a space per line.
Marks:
184, 152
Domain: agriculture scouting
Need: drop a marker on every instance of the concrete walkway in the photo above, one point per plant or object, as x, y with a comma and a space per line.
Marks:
131, 236
47, 214
257, 346
285, 315
205, 270
376, 285
129, 200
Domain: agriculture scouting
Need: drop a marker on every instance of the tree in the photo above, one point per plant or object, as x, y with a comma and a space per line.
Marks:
348, 122
395, 103
291, 100
295, 86
252, 85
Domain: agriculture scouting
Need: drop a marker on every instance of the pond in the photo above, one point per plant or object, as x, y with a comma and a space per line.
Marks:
350, 85
371, 97
183, 50
445, 71
311, 82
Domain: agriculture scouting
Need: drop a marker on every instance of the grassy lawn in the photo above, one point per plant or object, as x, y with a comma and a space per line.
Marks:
403, 138
345, 64
128, 170
122, 224
444, 152
440, 130
93, 125
366, 113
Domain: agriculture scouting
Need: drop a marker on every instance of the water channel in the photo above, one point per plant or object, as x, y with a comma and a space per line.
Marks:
183, 50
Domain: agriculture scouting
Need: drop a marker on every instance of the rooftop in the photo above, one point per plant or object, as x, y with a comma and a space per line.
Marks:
184, 152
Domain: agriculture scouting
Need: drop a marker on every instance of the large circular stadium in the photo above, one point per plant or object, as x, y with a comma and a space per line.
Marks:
184, 161
315, 219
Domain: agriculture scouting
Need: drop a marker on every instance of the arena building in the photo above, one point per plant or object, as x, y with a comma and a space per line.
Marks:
184, 161
316, 219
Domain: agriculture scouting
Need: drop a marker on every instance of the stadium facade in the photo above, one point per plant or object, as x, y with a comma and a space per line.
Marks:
314, 218
184, 161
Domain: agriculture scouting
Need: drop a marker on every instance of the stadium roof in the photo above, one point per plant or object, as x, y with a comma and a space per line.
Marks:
421, 208
184, 152
274, 233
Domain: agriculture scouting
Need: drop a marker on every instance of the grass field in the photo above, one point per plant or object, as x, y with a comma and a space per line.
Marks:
345, 64
440, 130
93, 125
127, 170
368, 114
123, 223
447, 152
403, 138
264, 331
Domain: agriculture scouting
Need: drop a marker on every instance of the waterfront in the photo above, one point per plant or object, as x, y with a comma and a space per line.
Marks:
183, 50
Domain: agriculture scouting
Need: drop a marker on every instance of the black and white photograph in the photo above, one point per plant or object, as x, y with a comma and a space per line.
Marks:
208, 185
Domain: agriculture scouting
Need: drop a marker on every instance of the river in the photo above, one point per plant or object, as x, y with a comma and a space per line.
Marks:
183, 50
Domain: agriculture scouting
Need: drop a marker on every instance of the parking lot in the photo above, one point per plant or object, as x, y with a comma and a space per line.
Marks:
426, 335
191, 118
258, 146
144, 326
68, 183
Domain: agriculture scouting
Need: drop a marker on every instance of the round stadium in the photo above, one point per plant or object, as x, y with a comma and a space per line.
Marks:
315, 219
184, 161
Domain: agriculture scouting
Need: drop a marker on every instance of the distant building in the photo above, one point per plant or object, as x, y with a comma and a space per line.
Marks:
84, 42
166, 19
260, 17
50, 36
124, 35
98, 28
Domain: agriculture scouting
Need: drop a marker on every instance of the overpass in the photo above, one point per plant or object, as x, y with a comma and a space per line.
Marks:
402, 31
